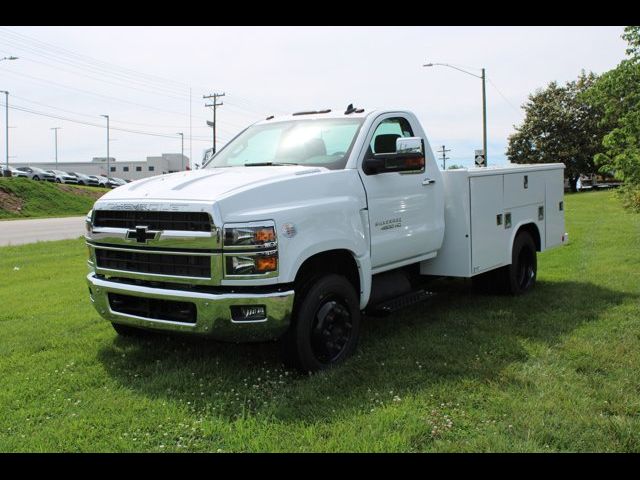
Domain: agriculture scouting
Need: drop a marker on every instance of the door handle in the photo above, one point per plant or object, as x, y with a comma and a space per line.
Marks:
428, 181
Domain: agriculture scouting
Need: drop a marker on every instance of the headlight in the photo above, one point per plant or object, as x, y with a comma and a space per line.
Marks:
252, 264
260, 236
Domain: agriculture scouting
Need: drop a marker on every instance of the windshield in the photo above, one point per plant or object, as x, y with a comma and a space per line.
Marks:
319, 143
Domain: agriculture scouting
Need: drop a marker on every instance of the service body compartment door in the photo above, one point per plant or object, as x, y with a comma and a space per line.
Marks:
488, 237
523, 188
554, 216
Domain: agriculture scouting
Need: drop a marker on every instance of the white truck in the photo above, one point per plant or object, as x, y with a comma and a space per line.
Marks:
302, 223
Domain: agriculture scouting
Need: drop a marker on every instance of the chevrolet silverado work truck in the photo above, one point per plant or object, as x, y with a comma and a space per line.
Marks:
302, 223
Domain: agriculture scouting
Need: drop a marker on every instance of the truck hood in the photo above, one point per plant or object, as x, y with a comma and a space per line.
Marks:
205, 184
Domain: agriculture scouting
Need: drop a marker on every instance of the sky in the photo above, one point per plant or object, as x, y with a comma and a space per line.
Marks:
151, 80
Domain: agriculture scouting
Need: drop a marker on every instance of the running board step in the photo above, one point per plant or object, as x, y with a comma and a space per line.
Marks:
389, 306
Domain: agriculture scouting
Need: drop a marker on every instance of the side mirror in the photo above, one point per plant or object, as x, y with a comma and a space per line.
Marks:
408, 157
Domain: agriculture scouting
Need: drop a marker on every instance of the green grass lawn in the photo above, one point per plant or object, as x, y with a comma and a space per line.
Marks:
554, 370
25, 198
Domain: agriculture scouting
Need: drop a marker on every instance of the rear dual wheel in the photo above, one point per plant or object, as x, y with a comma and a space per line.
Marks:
517, 278
325, 325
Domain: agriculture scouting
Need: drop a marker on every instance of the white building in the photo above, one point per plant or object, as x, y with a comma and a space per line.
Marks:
165, 163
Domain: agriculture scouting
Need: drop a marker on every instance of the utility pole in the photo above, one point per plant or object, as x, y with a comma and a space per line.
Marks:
181, 148
6, 118
108, 169
444, 157
214, 105
55, 131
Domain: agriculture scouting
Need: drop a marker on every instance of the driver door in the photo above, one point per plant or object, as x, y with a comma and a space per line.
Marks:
403, 219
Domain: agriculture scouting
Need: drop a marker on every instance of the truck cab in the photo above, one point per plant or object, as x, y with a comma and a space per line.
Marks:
302, 222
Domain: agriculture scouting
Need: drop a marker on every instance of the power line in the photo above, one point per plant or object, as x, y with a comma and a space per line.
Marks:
93, 65
87, 60
505, 98
80, 122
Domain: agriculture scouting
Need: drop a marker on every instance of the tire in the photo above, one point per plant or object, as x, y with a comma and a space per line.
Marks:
127, 331
520, 276
58, 180
325, 326
36, 178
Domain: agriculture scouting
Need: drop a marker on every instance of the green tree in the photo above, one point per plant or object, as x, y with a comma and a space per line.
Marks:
617, 94
560, 126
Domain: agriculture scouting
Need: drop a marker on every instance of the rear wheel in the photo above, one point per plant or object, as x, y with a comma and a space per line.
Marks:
36, 178
326, 324
58, 180
524, 265
514, 279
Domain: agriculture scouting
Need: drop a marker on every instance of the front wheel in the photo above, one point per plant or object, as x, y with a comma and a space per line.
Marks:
36, 178
325, 327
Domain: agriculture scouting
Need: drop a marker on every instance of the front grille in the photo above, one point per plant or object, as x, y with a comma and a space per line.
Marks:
158, 263
186, 221
153, 308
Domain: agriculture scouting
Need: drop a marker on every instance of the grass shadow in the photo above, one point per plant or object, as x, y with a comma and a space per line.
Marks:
456, 335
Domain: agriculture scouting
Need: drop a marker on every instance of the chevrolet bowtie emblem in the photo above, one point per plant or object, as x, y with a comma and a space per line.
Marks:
142, 234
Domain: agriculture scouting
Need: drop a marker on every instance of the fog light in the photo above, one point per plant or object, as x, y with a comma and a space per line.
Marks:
248, 313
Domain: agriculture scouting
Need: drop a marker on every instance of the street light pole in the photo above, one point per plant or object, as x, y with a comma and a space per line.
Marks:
55, 131
181, 148
484, 102
6, 119
484, 119
108, 169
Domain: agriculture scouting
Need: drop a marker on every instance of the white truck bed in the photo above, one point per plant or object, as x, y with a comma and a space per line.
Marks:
485, 207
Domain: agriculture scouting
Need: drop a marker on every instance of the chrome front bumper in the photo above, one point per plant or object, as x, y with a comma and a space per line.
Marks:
213, 317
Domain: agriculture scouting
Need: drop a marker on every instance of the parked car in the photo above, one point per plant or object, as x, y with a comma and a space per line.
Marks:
116, 182
103, 181
83, 179
35, 173
18, 173
63, 177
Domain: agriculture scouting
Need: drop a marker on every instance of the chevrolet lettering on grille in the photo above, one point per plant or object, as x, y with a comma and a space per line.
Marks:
142, 234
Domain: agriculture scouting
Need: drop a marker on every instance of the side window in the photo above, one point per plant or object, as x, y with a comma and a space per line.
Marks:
384, 138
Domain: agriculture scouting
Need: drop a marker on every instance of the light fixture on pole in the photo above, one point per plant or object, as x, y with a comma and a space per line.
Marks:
55, 131
108, 169
181, 148
484, 101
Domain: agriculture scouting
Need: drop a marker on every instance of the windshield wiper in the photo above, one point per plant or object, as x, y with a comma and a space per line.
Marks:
268, 164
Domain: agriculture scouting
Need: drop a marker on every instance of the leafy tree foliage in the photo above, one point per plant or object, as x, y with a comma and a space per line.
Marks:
560, 126
617, 94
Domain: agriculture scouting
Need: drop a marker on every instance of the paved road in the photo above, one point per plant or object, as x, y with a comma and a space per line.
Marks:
17, 232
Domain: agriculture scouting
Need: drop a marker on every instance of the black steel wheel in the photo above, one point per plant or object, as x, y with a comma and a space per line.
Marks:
331, 330
524, 265
325, 324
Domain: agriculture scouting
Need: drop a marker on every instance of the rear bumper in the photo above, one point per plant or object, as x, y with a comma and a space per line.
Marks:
213, 311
